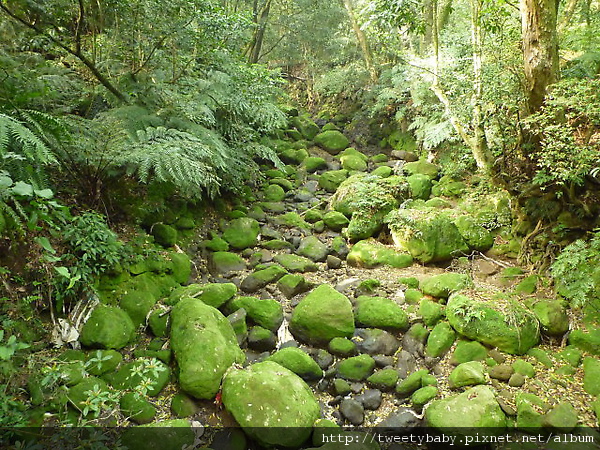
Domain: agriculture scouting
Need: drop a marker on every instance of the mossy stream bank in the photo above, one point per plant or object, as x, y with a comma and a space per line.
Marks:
349, 290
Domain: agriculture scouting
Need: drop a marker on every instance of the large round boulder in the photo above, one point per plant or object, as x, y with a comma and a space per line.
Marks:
271, 403
205, 346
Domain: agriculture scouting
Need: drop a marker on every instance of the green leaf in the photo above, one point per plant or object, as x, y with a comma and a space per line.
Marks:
63, 271
6, 353
5, 182
22, 188
44, 193
45, 244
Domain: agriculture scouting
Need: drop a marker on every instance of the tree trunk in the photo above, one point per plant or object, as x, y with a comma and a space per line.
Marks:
259, 34
362, 40
567, 14
540, 49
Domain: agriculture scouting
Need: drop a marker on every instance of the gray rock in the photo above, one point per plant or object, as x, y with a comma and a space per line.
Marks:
501, 372
353, 411
383, 360
370, 399
333, 262
404, 419
323, 358
406, 364
374, 341
311, 247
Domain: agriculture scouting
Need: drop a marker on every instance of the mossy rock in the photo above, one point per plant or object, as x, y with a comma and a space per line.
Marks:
154, 373
332, 141
529, 411
199, 329
259, 279
312, 248
465, 413
267, 313
271, 403
213, 294
165, 235
299, 362
467, 351
293, 156
335, 220
411, 383
591, 377
586, 341
181, 267
440, 340
562, 418
370, 253
295, 263
305, 126
226, 262
292, 284
441, 286
477, 237
511, 329
422, 167
314, 163
385, 379
420, 186
426, 234
102, 361
138, 304
183, 406
242, 233
331, 180
313, 215
467, 374
431, 312
341, 347
79, 395
448, 187
353, 163
136, 408
108, 327
216, 244
553, 317
164, 435
293, 220
424, 395
356, 368
383, 172
322, 315
273, 193
380, 312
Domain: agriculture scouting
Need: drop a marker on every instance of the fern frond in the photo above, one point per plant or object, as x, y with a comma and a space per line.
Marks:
16, 137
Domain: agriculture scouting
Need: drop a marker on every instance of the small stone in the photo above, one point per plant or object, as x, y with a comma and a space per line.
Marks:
323, 358
333, 262
342, 347
422, 396
501, 372
356, 368
353, 411
341, 387
467, 374
516, 380
371, 399
403, 418
384, 379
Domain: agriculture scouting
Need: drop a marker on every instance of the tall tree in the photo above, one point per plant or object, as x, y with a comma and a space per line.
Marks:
540, 49
362, 40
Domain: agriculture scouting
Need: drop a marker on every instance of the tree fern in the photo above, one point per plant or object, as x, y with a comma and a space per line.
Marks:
16, 138
178, 157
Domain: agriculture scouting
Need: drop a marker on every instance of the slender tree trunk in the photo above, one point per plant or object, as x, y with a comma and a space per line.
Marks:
262, 19
567, 14
540, 49
362, 40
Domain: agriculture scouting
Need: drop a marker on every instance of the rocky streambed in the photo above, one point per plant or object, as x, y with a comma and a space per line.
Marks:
348, 291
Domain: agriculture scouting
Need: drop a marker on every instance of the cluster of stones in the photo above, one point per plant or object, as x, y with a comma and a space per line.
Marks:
351, 343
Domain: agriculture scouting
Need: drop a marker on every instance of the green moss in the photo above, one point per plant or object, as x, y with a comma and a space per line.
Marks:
356, 368
341, 346
108, 327
379, 312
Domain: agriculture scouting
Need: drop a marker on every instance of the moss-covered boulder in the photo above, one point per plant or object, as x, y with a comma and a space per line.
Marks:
224, 263
422, 167
165, 235
136, 408
80, 394
380, 312
242, 233
213, 294
267, 313
370, 253
465, 413
385, 379
102, 361
292, 284
151, 371
322, 315
107, 327
295, 263
420, 186
440, 340
305, 126
314, 163
138, 304
443, 285
426, 234
293, 156
449, 187
353, 163
273, 193
476, 236
509, 327
553, 317
271, 403
183, 406
356, 368
467, 374
431, 312
299, 362
466, 351
335, 220
591, 376
165, 435
332, 141
181, 267
205, 346
311, 247
259, 279
331, 180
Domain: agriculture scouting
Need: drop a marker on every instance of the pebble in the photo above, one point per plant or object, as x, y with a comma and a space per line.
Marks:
383, 360
333, 262
370, 399
403, 418
516, 380
373, 343
406, 364
501, 372
353, 411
